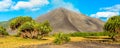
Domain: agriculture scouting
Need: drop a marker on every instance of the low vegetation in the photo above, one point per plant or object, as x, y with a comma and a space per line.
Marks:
113, 27
28, 28
3, 31
15, 42
85, 34
61, 38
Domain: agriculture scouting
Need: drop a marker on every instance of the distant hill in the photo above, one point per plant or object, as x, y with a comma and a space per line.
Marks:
4, 24
64, 20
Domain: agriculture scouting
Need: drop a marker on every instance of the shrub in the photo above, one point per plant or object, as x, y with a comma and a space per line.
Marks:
34, 30
45, 28
26, 30
61, 38
15, 23
3, 31
113, 26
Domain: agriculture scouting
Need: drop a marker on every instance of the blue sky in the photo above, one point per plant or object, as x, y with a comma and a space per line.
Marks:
102, 9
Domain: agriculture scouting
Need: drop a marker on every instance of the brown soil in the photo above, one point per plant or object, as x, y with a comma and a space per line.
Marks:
75, 45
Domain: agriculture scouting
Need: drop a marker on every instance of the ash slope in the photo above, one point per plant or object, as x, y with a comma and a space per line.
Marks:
64, 20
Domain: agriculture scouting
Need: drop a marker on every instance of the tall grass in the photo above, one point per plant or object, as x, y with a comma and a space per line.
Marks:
85, 34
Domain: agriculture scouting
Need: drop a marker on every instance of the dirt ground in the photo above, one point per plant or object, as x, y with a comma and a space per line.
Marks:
75, 45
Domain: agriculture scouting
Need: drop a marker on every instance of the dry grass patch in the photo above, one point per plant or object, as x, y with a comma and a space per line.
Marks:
13, 42
76, 39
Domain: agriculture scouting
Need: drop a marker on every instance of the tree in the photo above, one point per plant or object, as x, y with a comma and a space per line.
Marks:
3, 31
15, 23
34, 30
45, 28
113, 26
27, 30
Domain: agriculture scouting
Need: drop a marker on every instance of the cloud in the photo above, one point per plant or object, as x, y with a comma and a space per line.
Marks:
107, 12
5, 5
62, 3
115, 8
32, 5
104, 14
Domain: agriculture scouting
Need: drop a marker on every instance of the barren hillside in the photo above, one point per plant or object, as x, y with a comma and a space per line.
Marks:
64, 20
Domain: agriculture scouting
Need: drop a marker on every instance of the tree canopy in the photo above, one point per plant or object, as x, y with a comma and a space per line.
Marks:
28, 28
15, 23
113, 26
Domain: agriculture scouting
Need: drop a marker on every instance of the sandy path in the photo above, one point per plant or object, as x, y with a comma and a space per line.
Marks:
76, 45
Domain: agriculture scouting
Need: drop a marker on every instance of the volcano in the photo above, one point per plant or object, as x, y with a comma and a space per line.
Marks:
65, 20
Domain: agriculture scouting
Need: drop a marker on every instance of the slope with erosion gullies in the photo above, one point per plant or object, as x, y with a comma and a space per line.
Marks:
64, 20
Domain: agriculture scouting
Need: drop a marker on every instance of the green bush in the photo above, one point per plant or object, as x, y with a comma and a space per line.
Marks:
45, 28
27, 30
61, 38
3, 31
15, 23
113, 26
34, 30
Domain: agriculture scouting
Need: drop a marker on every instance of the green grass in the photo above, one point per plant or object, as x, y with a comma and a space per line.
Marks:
85, 34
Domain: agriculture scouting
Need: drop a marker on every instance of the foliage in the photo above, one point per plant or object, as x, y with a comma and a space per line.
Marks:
27, 30
113, 26
34, 30
61, 38
26, 27
15, 23
85, 34
3, 31
45, 28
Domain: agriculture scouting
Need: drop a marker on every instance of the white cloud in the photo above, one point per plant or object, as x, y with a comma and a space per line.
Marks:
108, 12
31, 5
115, 8
62, 3
5, 5
104, 14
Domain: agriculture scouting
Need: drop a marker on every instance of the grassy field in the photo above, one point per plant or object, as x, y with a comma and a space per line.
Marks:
14, 42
